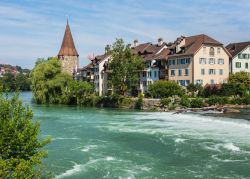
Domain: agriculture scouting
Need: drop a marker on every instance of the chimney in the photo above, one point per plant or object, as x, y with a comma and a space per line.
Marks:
107, 48
135, 43
160, 41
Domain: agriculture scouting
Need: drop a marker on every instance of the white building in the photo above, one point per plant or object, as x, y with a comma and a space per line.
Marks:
100, 77
154, 57
240, 60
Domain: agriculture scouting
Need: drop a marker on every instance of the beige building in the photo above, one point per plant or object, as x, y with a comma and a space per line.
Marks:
198, 59
68, 53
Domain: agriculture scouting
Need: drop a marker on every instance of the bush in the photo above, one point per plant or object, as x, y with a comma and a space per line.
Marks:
163, 89
185, 102
210, 90
139, 102
196, 103
246, 99
215, 100
21, 151
165, 101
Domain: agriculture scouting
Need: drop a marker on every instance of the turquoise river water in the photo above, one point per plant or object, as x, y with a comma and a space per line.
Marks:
105, 143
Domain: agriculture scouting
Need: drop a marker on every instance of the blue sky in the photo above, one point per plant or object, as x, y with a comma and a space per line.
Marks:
31, 29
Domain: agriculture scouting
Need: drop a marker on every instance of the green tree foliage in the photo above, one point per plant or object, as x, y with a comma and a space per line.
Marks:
242, 78
163, 89
21, 151
194, 88
51, 85
19, 81
125, 68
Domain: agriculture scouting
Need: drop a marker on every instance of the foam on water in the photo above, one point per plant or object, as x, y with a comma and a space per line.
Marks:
179, 140
76, 169
88, 148
65, 138
231, 147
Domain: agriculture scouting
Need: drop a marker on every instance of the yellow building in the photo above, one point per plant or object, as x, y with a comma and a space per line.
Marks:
198, 59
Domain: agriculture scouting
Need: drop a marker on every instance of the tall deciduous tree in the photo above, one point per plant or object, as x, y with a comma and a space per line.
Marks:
240, 78
125, 68
21, 151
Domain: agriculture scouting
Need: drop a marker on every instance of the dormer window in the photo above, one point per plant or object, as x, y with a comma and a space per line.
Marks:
218, 50
211, 51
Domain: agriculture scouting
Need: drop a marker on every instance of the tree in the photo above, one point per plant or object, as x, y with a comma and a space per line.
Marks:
51, 85
240, 78
163, 89
125, 68
21, 151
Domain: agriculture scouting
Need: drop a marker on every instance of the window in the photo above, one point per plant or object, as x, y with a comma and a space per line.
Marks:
187, 72
211, 51
183, 82
183, 61
202, 71
172, 72
178, 61
202, 61
211, 61
240, 56
211, 72
180, 72
144, 74
238, 64
155, 74
246, 65
144, 83
200, 82
221, 61
221, 71
212, 81
245, 56
188, 60
204, 50
218, 50
149, 74
173, 62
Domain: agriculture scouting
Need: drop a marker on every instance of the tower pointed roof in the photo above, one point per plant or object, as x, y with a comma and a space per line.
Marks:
68, 46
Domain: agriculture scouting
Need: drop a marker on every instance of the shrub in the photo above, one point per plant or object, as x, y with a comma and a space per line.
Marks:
246, 99
185, 102
165, 101
163, 89
196, 103
214, 100
139, 102
21, 151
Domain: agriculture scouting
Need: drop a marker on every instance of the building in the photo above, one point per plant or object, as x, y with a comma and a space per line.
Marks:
198, 59
154, 57
100, 72
68, 53
240, 60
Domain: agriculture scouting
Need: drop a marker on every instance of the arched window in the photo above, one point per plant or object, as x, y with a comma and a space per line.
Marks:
211, 51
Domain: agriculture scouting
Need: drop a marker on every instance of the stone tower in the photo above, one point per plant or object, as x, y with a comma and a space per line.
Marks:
68, 53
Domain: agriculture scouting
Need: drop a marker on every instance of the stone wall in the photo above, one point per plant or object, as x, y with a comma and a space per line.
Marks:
69, 63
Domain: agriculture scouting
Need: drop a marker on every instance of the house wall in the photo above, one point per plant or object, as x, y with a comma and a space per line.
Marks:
99, 78
207, 78
151, 75
183, 79
241, 59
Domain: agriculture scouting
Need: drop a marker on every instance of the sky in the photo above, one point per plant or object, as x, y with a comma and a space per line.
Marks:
31, 29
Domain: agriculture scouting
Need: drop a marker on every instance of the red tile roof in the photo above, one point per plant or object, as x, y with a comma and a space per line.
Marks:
68, 46
235, 48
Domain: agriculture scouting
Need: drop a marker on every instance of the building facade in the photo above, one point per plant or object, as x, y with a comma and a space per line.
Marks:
154, 57
240, 60
198, 59
68, 53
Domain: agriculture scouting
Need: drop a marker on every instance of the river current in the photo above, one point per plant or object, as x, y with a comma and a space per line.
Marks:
110, 143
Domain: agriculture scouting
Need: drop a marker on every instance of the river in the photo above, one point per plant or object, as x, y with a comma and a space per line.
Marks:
107, 143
